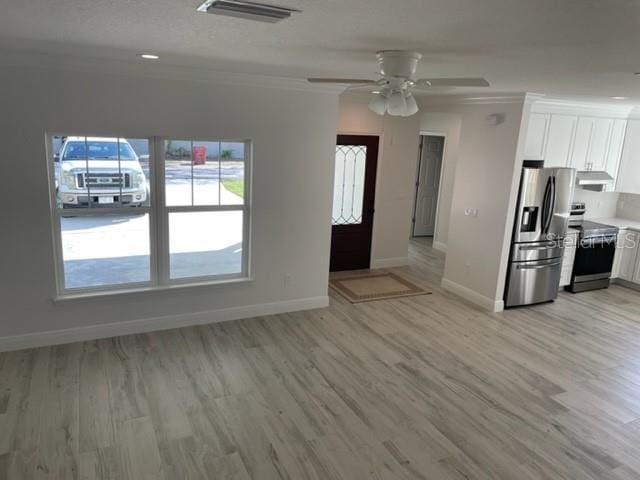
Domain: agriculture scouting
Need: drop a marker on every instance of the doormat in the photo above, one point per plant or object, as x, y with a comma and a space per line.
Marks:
376, 286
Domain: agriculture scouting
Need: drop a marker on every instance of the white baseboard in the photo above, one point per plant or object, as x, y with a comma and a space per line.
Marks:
473, 296
625, 283
442, 247
390, 262
93, 332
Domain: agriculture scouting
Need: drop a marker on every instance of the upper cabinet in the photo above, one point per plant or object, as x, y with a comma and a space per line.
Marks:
562, 131
536, 136
616, 147
629, 177
591, 143
599, 144
582, 141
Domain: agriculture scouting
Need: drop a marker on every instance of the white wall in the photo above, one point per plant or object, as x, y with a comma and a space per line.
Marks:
628, 207
447, 124
395, 190
598, 204
294, 140
486, 178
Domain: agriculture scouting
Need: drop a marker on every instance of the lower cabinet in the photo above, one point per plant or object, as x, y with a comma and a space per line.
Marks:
626, 264
569, 256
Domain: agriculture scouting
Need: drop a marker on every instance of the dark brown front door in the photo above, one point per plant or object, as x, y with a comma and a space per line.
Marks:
353, 199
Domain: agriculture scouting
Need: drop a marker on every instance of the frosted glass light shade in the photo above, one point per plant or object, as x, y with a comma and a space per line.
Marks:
412, 106
378, 104
396, 104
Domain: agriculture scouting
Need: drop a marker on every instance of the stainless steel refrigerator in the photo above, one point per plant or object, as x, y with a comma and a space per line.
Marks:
542, 219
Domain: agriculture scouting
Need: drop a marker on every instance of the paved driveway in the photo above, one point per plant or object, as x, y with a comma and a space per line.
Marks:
115, 249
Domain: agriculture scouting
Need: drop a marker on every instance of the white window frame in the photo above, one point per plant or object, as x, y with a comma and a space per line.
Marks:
158, 214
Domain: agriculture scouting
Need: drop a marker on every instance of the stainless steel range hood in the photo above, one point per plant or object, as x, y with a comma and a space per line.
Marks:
595, 181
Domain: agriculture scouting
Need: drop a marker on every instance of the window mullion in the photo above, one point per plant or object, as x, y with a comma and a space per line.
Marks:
162, 229
153, 217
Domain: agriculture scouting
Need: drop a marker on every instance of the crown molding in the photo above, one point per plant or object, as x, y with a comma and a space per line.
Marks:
568, 106
488, 99
146, 69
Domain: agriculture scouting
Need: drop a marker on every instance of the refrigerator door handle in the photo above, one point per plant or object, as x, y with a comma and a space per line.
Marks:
538, 247
537, 267
545, 206
552, 206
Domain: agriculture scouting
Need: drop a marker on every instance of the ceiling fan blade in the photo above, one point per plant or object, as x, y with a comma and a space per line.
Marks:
343, 81
417, 89
365, 87
452, 82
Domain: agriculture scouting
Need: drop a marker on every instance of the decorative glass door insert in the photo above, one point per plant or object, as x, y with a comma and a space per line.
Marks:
348, 187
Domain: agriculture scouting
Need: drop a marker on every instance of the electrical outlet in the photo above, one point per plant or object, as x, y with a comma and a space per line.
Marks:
287, 279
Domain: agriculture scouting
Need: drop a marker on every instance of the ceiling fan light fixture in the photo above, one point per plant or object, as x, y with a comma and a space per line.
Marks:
412, 105
378, 104
396, 104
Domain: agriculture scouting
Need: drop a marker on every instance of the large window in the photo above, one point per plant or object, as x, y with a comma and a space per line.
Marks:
148, 212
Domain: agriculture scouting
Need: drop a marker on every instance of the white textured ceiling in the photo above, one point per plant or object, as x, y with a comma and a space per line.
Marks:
583, 47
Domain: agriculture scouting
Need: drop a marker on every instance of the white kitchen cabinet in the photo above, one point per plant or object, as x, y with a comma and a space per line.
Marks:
625, 263
614, 152
629, 172
617, 260
595, 143
562, 129
581, 142
571, 242
591, 143
536, 136
636, 272
599, 144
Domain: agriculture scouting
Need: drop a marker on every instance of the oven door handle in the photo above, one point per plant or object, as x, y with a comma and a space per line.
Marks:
537, 267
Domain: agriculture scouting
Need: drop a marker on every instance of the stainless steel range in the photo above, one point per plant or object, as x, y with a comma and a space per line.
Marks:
595, 252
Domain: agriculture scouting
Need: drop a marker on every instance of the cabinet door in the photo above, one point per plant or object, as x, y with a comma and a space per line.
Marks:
562, 129
617, 260
568, 258
629, 172
628, 251
582, 139
599, 145
636, 273
536, 136
616, 143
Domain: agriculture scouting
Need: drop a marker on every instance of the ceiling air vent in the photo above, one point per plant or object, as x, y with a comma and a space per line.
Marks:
249, 10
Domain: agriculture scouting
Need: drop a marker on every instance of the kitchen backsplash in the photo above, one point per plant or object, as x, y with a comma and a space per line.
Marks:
598, 204
629, 206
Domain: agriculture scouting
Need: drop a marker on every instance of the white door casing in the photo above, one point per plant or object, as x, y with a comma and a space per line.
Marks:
427, 188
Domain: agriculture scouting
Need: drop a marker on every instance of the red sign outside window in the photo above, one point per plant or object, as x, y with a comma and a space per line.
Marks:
199, 155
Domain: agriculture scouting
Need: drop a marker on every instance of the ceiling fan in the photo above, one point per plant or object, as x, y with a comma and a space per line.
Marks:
394, 90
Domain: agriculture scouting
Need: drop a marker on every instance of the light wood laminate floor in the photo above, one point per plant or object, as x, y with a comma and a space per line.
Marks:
425, 387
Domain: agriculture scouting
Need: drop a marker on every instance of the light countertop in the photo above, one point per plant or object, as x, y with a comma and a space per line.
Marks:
621, 223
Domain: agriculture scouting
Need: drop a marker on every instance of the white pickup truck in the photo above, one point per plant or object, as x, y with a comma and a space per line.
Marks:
99, 171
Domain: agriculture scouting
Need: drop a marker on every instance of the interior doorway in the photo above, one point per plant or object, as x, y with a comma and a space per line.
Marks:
353, 201
428, 185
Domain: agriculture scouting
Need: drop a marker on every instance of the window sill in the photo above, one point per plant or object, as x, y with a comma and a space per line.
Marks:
73, 297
